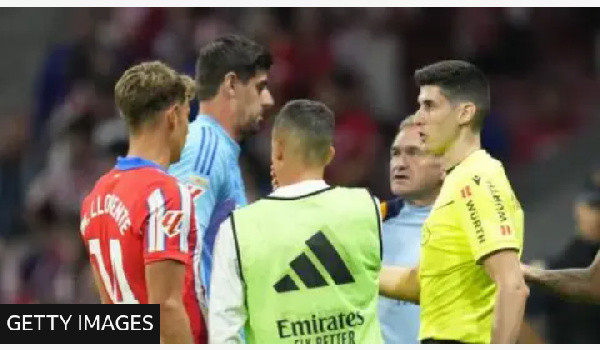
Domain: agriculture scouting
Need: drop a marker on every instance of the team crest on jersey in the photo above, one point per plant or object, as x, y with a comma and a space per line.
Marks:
199, 181
197, 186
171, 222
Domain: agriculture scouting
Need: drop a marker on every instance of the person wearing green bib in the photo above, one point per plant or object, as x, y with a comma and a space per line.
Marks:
301, 265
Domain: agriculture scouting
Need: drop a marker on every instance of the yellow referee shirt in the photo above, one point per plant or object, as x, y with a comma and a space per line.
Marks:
475, 215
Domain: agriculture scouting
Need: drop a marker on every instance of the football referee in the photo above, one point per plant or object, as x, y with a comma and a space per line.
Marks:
301, 265
469, 282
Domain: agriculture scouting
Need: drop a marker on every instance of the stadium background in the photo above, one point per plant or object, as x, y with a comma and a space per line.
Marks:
59, 130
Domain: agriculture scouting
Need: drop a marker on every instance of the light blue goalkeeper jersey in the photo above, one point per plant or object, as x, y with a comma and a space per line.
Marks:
210, 166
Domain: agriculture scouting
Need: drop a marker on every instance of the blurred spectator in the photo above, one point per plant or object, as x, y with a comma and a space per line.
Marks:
12, 141
54, 271
172, 44
539, 135
310, 54
130, 32
374, 53
356, 134
499, 41
570, 322
61, 67
72, 169
495, 137
300, 45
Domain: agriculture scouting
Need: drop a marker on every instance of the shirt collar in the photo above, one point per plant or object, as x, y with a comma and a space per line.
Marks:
300, 189
466, 160
214, 123
417, 209
129, 163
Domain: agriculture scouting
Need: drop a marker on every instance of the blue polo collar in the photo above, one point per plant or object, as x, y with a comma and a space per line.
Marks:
129, 163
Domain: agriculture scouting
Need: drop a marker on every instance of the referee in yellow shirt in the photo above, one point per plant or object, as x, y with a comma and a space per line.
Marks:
469, 282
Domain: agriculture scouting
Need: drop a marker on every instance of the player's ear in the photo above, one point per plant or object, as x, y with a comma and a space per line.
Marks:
229, 83
277, 148
277, 144
280, 149
331, 155
467, 113
171, 117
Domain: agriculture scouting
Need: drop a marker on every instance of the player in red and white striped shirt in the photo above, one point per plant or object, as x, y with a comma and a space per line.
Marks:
138, 222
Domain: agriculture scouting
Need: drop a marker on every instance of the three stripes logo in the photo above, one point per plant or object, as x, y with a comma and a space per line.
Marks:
308, 273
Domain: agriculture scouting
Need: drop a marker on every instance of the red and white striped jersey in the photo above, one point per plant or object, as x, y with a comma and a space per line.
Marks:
135, 215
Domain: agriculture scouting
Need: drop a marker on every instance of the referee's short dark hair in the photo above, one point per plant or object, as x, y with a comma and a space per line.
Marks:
310, 125
229, 53
459, 81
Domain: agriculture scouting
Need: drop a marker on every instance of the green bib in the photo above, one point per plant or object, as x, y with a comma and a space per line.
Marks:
310, 266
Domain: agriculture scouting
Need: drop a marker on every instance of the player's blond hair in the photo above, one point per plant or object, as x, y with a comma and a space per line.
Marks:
149, 88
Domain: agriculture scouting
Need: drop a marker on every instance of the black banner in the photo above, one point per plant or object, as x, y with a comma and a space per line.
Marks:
79, 324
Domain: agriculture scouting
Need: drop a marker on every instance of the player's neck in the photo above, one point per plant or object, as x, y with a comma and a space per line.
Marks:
424, 201
222, 113
466, 143
294, 176
147, 148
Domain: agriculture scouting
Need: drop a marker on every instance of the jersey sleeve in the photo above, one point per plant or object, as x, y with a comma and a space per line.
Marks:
483, 214
169, 224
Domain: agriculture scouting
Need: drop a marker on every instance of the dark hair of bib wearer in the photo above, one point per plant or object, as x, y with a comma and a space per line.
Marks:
311, 125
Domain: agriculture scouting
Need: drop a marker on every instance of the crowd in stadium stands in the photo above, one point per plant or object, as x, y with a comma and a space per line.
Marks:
542, 65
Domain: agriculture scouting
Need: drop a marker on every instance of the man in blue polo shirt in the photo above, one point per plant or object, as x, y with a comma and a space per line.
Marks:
416, 179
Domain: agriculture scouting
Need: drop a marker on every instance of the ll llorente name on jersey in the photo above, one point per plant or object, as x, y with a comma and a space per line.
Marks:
108, 205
